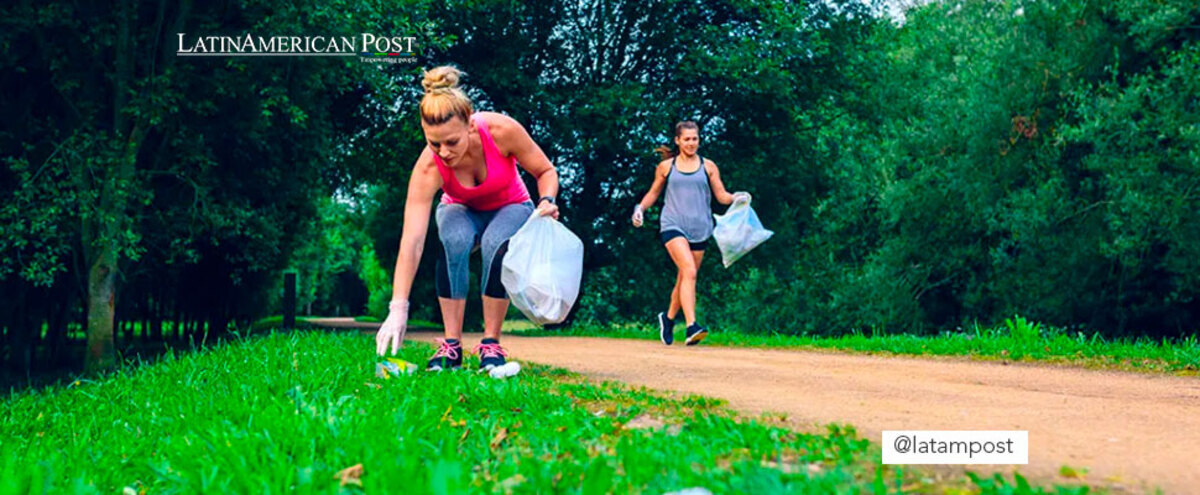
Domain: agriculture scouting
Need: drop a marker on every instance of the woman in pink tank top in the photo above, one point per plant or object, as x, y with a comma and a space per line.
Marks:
472, 158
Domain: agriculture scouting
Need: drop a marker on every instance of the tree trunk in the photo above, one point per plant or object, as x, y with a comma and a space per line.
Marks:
157, 311
23, 351
20, 336
101, 296
57, 317
100, 236
176, 319
118, 326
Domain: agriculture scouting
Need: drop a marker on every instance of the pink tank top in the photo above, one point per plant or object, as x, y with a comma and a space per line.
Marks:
503, 185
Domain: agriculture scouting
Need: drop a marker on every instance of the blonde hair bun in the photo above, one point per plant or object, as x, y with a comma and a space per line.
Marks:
443, 98
439, 79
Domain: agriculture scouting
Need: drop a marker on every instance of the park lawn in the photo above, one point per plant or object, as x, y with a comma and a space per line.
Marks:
286, 412
1016, 340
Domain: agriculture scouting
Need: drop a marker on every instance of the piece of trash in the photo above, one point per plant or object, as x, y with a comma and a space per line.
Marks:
644, 421
510, 483
505, 370
351, 475
695, 490
499, 438
394, 367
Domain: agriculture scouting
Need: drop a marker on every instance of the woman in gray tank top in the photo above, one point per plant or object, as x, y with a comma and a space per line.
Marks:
686, 222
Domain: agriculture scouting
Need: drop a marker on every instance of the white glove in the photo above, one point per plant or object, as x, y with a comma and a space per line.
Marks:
741, 197
637, 215
391, 333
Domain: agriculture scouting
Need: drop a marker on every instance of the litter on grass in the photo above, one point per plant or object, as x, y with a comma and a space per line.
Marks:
390, 367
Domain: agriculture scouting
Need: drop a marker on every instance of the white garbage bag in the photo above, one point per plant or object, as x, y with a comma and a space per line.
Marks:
738, 231
542, 270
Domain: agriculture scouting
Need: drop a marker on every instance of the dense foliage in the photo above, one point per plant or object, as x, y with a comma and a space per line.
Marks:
968, 162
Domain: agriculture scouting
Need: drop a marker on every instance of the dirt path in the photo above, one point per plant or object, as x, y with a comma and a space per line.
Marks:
1132, 432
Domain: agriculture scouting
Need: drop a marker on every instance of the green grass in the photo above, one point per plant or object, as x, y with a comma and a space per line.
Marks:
276, 321
173, 329
272, 322
1017, 339
286, 412
416, 323
412, 322
170, 329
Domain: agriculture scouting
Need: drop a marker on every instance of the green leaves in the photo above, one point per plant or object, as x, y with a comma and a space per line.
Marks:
188, 176
1016, 160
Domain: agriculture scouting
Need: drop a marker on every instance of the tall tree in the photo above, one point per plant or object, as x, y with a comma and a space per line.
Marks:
210, 161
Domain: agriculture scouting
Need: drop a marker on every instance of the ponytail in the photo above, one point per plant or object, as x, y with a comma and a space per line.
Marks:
666, 153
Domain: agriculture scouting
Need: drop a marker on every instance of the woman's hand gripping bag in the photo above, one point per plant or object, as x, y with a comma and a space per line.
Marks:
542, 270
738, 231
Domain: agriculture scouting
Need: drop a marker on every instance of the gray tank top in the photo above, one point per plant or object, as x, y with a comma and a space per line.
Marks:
688, 207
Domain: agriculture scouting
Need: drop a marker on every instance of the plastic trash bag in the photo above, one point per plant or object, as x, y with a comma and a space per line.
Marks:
542, 270
738, 231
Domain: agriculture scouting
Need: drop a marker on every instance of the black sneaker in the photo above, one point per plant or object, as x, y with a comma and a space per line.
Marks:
447, 357
695, 333
491, 355
666, 329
